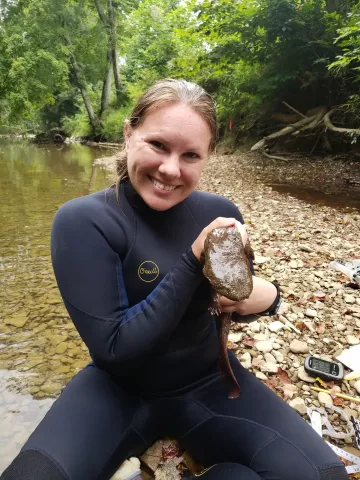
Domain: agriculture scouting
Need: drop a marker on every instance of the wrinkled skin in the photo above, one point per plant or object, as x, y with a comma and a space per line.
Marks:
226, 266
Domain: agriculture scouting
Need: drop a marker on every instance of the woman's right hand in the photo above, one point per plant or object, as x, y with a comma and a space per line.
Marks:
198, 245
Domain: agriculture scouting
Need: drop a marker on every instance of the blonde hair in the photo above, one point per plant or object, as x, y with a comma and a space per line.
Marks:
169, 91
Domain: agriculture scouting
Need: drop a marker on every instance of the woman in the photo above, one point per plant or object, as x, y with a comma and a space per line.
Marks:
127, 265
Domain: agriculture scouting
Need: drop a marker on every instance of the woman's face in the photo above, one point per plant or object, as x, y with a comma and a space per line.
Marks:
166, 154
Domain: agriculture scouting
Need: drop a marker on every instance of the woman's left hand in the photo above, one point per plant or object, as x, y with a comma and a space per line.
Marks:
261, 298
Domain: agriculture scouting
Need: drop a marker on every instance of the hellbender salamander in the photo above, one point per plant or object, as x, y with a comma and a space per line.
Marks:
227, 267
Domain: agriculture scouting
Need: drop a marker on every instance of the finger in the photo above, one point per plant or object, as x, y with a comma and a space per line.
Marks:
221, 222
243, 231
229, 309
226, 302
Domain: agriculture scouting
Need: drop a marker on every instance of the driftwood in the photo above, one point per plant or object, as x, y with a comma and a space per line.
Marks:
315, 118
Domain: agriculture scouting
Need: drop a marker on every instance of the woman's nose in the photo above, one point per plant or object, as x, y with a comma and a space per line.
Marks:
170, 166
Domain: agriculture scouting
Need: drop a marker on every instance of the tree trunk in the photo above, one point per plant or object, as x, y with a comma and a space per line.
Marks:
338, 6
114, 52
106, 90
81, 84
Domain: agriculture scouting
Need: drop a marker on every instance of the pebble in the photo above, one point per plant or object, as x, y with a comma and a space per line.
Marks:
269, 367
357, 386
235, 337
352, 340
297, 346
349, 299
278, 356
310, 312
340, 327
264, 346
324, 398
299, 405
261, 376
269, 358
245, 360
304, 376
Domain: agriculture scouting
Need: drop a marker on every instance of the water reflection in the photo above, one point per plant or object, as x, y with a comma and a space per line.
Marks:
39, 348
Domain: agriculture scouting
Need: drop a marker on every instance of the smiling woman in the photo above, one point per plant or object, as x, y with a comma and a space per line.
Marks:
127, 264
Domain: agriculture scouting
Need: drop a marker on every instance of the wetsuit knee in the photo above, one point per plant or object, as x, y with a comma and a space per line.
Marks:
33, 465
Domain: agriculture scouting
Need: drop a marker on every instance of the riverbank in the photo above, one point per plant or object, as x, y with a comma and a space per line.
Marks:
294, 242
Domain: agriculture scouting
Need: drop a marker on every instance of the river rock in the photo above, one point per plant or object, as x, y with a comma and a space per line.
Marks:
349, 299
269, 368
245, 360
279, 356
264, 346
269, 358
299, 405
17, 320
304, 376
325, 398
297, 346
235, 337
352, 340
357, 386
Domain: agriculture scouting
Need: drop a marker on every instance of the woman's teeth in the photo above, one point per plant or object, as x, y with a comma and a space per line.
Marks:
162, 186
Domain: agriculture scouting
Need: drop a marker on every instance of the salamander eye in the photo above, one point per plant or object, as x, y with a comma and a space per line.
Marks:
157, 144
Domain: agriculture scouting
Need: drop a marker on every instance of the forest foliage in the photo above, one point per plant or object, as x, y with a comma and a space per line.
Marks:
80, 65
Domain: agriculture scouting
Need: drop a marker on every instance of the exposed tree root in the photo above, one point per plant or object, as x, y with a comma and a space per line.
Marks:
319, 118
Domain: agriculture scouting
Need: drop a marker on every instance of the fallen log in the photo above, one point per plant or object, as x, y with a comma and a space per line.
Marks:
284, 131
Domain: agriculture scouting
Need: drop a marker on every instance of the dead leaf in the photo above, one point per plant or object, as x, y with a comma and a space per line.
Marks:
338, 401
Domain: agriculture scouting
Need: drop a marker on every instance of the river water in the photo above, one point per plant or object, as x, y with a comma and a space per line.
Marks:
39, 348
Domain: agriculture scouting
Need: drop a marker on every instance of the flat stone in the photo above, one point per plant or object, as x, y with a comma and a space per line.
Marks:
310, 312
261, 336
261, 376
299, 405
324, 398
235, 337
352, 340
297, 346
357, 386
61, 348
17, 320
279, 356
245, 360
264, 346
340, 327
269, 358
349, 299
269, 367
304, 376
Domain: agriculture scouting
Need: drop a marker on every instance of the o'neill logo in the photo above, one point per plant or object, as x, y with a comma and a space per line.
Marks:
148, 271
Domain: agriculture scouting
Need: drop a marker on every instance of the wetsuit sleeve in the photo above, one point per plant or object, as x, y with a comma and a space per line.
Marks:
88, 273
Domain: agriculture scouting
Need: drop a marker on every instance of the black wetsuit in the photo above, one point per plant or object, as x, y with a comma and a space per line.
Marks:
138, 298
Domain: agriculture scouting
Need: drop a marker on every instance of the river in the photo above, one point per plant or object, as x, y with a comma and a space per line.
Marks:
39, 349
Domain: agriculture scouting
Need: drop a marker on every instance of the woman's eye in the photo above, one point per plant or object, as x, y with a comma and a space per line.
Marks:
192, 155
157, 144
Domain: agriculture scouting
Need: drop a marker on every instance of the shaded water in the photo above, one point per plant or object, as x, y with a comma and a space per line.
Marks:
350, 203
39, 348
